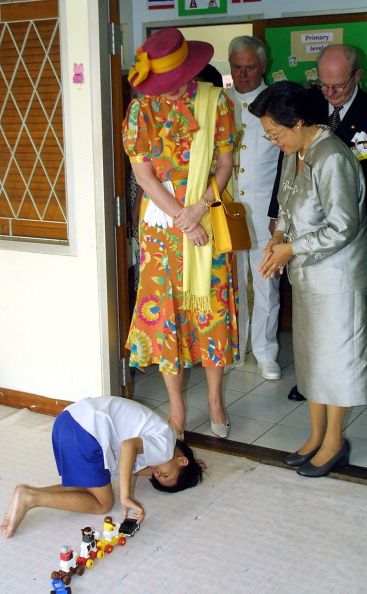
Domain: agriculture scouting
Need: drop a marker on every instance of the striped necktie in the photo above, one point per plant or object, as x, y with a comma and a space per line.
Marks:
334, 118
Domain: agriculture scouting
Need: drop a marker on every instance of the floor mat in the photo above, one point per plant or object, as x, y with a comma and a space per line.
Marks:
248, 528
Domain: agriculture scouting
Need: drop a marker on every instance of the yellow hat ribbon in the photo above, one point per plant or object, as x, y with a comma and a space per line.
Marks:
143, 65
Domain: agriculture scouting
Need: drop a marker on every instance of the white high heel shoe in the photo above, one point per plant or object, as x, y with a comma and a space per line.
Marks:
221, 429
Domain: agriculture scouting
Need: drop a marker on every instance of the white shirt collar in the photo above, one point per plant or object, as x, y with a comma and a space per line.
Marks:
346, 105
249, 97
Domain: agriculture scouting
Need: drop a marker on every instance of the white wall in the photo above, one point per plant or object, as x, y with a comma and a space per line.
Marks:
264, 9
53, 315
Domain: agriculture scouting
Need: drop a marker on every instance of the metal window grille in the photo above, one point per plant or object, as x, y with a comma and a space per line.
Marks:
32, 176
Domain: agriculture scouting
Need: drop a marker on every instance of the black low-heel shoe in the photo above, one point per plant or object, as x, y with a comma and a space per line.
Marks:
297, 459
340, 459
295, 395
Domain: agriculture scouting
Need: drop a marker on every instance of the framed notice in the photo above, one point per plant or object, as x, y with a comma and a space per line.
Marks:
305, 45
193, 7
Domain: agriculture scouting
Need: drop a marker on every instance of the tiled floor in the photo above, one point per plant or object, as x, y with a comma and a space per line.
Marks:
260, 411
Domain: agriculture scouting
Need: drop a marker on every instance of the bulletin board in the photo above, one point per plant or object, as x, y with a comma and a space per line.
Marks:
293, 43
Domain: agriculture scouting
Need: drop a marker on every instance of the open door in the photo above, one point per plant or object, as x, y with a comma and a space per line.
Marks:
119, 194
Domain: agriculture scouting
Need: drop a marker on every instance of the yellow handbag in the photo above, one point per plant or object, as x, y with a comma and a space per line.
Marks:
228, 218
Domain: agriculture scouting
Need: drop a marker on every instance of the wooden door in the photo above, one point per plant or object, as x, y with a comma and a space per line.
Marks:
119, 195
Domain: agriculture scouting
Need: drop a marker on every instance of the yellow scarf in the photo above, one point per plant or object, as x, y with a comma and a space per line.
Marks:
197, 261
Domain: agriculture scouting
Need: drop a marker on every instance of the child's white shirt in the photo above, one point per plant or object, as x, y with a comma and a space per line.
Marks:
112, 419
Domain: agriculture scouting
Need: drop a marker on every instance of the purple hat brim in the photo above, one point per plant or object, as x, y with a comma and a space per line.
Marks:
200, 54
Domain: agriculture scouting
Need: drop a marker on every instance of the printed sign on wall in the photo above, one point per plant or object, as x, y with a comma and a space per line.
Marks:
305, 45
192, 7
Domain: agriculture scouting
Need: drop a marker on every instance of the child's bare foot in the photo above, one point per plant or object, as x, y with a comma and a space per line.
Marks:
19, 505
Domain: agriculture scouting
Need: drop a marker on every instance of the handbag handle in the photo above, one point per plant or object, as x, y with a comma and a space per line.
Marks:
214, 184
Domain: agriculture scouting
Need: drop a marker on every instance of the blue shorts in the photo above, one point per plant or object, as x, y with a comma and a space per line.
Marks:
78, 455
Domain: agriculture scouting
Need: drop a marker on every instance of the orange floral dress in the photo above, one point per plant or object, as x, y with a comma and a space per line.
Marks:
160, 131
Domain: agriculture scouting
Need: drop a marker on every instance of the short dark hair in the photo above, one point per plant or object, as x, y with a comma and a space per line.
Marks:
189, 476
285, 102
210, 74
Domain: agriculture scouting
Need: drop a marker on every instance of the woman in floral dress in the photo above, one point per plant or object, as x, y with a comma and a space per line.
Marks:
168, 328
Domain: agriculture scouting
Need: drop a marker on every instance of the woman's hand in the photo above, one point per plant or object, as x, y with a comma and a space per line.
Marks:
278, 237
275, 258
198, 235
128, 503
188, 217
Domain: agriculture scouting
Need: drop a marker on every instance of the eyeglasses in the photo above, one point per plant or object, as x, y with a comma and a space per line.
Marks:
271, 137
342, 87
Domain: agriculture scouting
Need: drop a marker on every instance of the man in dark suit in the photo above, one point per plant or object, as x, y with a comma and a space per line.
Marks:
339, 73
343, 106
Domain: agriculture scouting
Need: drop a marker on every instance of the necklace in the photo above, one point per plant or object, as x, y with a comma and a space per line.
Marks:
302, 157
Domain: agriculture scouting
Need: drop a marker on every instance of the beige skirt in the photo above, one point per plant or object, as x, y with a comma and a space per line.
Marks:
330, 346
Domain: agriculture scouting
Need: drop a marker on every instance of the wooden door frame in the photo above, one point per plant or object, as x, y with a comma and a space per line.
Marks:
119, 197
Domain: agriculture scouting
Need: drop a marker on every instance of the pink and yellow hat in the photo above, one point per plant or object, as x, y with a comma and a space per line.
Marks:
167, 61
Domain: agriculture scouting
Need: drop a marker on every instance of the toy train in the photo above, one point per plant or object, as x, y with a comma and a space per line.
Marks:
94, 545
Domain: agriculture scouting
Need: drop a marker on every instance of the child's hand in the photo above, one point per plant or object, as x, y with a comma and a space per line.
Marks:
138, 511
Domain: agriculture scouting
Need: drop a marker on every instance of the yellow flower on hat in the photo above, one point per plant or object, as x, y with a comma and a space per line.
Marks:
140, 70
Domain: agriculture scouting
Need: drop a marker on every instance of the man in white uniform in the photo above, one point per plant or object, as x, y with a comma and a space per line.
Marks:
253, 181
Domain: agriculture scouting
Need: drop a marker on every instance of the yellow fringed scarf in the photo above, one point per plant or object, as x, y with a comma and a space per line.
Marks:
197, 261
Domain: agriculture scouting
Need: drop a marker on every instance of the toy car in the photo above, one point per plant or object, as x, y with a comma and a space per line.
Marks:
59, 587
129, 526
